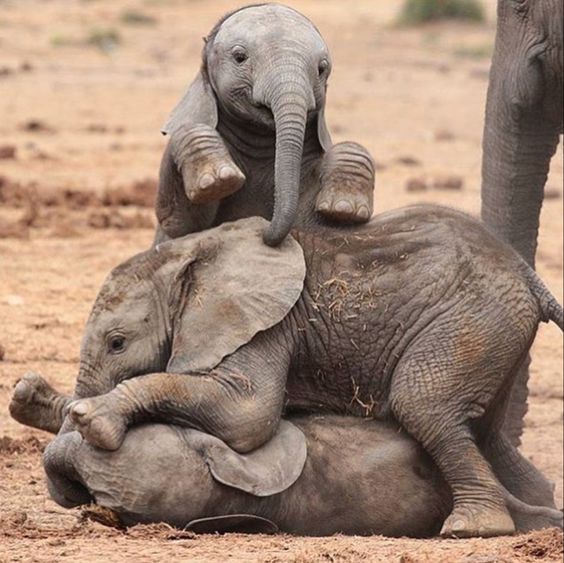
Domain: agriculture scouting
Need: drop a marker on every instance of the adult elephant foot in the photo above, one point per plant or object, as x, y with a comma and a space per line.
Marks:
35, 403
208, 171
467, 521
347, 184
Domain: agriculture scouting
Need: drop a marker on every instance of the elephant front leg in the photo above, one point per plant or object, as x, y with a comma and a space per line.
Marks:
207, 169
347, 184
35, 403
239, 402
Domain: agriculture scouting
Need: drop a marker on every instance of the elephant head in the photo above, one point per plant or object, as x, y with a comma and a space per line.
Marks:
139, 474
184, 305
265, 65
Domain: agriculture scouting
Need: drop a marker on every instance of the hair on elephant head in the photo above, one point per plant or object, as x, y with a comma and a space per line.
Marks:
266, 65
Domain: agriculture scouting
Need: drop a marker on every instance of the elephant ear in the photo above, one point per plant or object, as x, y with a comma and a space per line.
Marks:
266, 471
237, 523
198, 105
230, 286
323, 134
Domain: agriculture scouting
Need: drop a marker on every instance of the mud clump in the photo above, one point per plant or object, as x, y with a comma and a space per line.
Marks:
28, 445
439, 182
8, 152
36, 126
544, 544
452, 182
140, 193
416, 185
113, 218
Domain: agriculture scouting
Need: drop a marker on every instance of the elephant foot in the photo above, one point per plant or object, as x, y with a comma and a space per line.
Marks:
35, 403
467, 521
347, 185
98, 422
217, 180
208, 171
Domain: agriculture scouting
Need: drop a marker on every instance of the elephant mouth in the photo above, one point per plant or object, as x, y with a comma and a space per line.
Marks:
262, 113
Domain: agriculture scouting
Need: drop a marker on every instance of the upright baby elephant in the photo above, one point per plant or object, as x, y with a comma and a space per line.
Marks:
421, 315
249, 137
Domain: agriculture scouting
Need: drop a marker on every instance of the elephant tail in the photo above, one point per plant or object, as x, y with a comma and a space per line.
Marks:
550, 308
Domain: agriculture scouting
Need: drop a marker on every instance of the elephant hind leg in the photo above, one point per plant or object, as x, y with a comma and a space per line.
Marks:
443, 382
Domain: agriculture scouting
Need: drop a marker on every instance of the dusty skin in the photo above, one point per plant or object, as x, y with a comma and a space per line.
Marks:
84, 123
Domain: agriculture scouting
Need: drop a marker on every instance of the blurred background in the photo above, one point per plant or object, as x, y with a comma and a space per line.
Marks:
85, 86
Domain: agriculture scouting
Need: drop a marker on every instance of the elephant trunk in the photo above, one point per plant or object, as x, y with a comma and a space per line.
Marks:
514, 171
63, 481
289, 97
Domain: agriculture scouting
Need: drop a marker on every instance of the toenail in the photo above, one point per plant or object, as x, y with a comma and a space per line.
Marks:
458, 526
20, 390
363, 212
323, 206
80, 409
343, 207
206, 180
225, 172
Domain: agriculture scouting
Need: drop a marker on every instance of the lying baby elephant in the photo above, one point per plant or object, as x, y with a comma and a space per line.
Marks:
360, 477
422, 315
251, 126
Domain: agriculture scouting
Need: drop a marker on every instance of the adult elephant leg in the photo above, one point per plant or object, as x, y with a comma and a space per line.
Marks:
347, 184
523, 121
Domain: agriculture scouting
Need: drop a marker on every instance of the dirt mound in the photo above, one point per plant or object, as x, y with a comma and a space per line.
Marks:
140, 193
10, 446
544, 544
68, 211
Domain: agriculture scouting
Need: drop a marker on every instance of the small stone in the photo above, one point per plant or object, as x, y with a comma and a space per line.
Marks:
2, 352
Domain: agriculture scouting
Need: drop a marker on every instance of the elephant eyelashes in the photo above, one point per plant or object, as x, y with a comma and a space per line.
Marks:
117, 344
323, 67
239, 55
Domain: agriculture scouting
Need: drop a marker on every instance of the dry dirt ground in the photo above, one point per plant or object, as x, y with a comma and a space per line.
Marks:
84, 87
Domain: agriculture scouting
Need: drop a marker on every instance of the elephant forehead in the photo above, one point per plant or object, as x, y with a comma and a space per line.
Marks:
268, 21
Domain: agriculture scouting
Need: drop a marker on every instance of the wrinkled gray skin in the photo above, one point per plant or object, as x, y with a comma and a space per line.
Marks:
249, 137
360, 477
422, 316
524, 118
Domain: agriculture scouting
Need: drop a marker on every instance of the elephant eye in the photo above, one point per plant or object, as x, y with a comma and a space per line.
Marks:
117, 344
239, 55
323, 67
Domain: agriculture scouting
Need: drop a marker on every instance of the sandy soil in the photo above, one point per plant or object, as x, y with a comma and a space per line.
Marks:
79, 154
